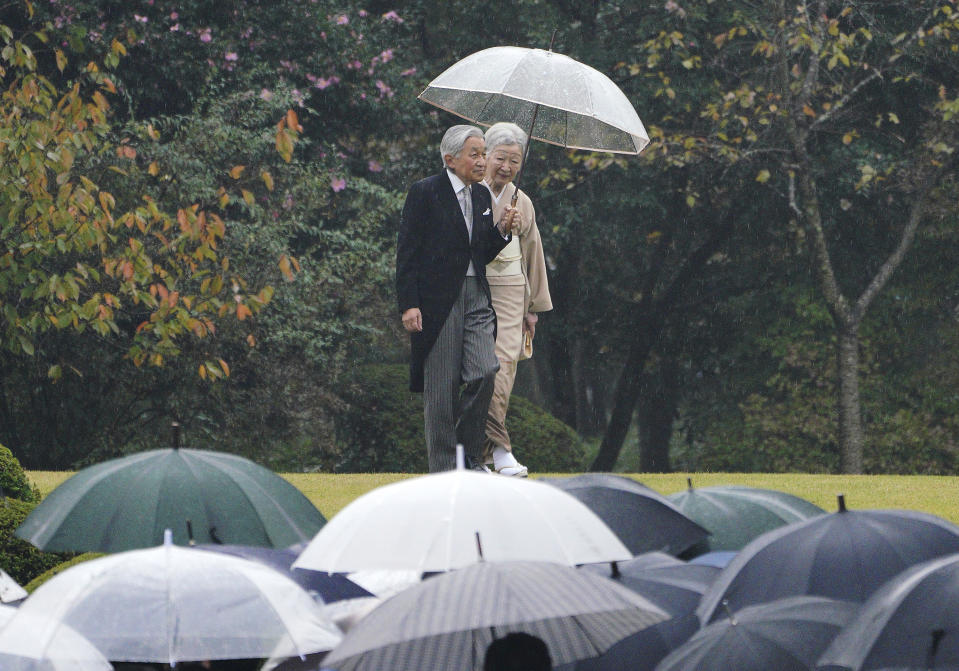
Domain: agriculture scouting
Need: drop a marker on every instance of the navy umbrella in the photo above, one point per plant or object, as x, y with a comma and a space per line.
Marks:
644, 519
908, 622
672, 584
785, 635
844, 555
330, 587
643, 650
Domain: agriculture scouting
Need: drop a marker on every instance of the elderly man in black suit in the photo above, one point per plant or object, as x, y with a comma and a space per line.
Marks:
447, 236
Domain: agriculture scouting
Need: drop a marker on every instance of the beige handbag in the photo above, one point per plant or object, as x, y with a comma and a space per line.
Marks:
527, 346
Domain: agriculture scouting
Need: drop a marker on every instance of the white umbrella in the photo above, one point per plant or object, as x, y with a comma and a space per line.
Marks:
10, 591
170, 604
448, 520
556, 98
447, 621
29, 643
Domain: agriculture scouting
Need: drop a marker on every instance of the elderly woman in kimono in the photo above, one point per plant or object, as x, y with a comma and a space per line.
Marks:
517, 279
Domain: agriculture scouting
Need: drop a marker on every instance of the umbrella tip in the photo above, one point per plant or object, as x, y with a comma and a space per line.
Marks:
167, 537
460, 457
479, 546
689, 483
176, 434
729, 612
841, 500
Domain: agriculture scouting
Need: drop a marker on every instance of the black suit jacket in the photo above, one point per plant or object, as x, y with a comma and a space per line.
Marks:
433, 251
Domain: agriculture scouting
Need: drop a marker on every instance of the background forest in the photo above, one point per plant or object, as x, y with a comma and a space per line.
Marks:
199, 200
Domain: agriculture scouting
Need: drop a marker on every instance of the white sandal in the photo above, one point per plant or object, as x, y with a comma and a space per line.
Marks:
517, 471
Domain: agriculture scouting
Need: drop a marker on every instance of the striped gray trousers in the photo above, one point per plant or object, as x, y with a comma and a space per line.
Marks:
459, 373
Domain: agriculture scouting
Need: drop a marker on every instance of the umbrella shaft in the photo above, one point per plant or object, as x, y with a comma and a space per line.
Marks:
529, 140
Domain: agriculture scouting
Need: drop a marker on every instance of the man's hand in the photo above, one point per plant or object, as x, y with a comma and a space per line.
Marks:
529, 323
413, 320
511, 221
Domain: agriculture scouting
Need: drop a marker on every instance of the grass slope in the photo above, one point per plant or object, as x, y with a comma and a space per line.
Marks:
938, 495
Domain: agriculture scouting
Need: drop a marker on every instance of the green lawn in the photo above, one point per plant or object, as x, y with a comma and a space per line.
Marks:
938, 495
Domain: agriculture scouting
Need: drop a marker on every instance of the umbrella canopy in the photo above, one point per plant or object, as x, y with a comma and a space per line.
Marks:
27, 643
170, 604
10, 591
448, 520
736, 515
447, 621
644, 519
908, 622
643, 650
555, 98
329, 587
786, 635
845, 555
670, 583
127, 503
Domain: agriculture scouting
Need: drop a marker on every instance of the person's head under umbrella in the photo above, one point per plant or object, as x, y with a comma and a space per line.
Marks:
518, 651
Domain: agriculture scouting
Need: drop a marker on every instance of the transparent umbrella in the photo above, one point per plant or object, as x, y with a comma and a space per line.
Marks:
169, 604
30, 643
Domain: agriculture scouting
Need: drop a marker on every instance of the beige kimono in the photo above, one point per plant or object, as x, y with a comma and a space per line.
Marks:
518, 284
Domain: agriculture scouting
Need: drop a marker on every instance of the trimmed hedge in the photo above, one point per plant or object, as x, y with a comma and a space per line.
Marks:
17, 557
13, 480
381, 428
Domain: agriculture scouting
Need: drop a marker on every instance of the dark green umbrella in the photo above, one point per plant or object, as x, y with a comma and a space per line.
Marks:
736, 515
209, 497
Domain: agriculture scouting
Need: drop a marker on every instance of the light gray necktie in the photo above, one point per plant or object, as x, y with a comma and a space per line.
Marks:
466, 203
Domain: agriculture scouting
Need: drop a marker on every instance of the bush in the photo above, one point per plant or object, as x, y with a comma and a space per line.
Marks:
13, 480
17, 557
381, 428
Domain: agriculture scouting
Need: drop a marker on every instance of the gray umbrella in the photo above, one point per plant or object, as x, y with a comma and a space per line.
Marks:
644, 519
785, 635
844, 555
909, 622
447, 621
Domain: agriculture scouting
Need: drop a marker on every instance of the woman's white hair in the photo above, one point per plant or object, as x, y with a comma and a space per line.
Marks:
454, 139
505, 133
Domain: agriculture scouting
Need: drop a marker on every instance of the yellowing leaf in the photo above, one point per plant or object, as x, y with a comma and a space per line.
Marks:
847, 138
153, 169
893, 117
224, 367
248, 197
202, 371
267, 179
242, 311
250, 340
61, 59
763, 176
285, 268
808, 111
237, 171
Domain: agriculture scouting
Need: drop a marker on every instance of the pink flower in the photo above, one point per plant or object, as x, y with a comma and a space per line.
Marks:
338, 184
174, 16
342, 20
230, 56
141, 19
374, 166
175, 27
384, 89
392, 16
266, 94
205, 35
364, 13
324, 82
386, 56
408, 72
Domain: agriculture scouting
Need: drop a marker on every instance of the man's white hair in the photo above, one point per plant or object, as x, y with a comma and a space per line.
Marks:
454, 139
505, 133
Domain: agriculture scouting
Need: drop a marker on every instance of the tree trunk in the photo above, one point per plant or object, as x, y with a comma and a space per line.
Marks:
850, 413
657, 412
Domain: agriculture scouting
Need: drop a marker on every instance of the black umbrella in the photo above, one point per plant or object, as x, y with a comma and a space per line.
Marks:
785, 635
908, 622
844, 555
670, 583
643, 650
330, 587
644, 519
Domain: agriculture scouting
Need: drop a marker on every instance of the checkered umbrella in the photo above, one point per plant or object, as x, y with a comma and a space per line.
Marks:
447, 621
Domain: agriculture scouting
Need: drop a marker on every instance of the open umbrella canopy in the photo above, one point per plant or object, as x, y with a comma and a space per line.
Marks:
127, 503
329, 587
785, 635
447, 621
29, 643
644, 519
170, 604
736, 515
845, 555
563, 102
449, 520
908, 622
10, 591
670, 583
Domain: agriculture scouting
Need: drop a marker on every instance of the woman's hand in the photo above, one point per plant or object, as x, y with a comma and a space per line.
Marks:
529, 323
